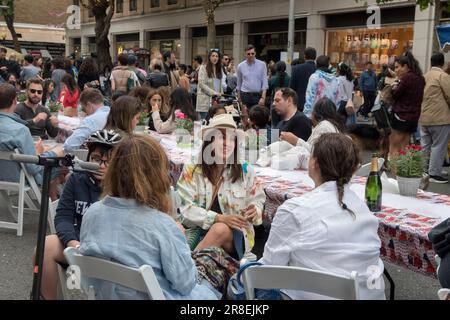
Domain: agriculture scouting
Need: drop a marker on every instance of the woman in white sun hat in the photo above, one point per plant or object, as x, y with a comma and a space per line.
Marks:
221, 198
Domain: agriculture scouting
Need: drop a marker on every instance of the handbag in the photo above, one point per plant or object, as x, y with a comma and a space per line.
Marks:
440, 238
381, 113
236, 290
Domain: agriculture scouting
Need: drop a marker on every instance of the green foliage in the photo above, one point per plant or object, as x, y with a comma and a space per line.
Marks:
22, 97
143, 119
10, 11
55, 106
410, 163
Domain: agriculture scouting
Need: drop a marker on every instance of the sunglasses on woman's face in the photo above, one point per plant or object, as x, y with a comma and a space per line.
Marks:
34, 91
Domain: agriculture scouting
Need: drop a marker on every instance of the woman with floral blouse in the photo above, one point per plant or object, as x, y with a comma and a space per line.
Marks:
221, 198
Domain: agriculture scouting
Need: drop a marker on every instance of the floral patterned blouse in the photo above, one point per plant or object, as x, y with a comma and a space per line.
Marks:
196, 192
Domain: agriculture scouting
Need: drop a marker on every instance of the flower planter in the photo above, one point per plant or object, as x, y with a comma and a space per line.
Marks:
54, 114
408, 186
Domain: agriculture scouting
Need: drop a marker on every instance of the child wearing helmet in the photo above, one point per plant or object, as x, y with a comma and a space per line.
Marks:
80, 192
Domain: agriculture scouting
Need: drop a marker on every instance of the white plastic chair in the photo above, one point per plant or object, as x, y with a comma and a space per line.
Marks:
296, 278
28, 191
364, 171
444, 294
142, 279
438, 262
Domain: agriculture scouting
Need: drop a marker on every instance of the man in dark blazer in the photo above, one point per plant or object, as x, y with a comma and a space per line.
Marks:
300, 76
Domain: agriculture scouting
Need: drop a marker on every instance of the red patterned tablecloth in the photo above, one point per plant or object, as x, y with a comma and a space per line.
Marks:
403, 234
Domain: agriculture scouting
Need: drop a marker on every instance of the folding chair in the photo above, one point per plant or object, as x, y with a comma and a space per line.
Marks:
28, 191
296, 278
141, 279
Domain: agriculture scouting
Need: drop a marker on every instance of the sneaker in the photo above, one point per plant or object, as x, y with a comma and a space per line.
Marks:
444, 172
437, 179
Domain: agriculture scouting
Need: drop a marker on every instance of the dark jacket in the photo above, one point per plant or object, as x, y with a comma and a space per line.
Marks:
78, 195
275, 83
86, 78
299, 80
157, 79
42, 129
408, 97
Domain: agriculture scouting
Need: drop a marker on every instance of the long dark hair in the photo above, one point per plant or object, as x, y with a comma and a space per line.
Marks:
70, 82
280, 68
236, 170
210, 67
338, 159
409, 60
47, 83
89, 67
180, 99
325, 109
345, 70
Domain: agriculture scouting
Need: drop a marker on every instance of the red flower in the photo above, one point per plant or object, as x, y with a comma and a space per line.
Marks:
403, 153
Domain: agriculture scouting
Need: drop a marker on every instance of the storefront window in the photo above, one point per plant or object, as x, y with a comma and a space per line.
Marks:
161, 46
356, 47
224, 43
270, 46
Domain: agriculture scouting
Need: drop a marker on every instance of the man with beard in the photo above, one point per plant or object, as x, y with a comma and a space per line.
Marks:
169, 68
38, 118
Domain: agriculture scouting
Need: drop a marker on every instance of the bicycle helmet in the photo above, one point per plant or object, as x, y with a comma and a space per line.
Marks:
104, 137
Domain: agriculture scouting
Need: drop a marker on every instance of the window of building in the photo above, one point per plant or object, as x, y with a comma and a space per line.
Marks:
154, 3
171, 2
119, 6
133, 5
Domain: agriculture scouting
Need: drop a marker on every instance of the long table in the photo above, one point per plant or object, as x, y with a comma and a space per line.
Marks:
404, 222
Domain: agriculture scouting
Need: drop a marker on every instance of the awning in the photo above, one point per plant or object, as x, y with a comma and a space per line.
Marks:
443, 35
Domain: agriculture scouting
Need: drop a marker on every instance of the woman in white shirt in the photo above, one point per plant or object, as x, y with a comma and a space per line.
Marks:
346, 87
325, 120
331, 228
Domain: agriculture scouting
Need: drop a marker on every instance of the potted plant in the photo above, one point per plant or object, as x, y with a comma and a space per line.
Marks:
184, 131
409, 167
55, 107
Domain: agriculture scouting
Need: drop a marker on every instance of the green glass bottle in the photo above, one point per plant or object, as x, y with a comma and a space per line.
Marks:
374, 188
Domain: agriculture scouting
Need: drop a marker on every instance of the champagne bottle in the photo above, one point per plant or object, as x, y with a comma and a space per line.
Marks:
374, 190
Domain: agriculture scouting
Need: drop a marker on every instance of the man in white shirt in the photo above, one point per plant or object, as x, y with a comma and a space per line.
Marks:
91, 101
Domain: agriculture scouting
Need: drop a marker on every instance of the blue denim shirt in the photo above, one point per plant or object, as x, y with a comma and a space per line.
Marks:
126, 232
88, 126
15, 135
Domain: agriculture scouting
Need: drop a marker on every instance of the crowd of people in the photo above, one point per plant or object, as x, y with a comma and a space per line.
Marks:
124, 211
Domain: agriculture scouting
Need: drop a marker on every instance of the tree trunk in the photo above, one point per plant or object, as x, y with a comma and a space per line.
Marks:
102, 26
211, 38
10, 24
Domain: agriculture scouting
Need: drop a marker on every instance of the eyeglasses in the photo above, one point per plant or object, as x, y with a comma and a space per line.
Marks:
100, 161
214, 50
251, 54
34, 91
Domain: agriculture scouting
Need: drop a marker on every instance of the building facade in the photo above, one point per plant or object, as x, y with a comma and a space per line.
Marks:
40, 25
337, 28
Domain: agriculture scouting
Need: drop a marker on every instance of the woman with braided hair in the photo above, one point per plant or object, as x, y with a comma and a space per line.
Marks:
331, 228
